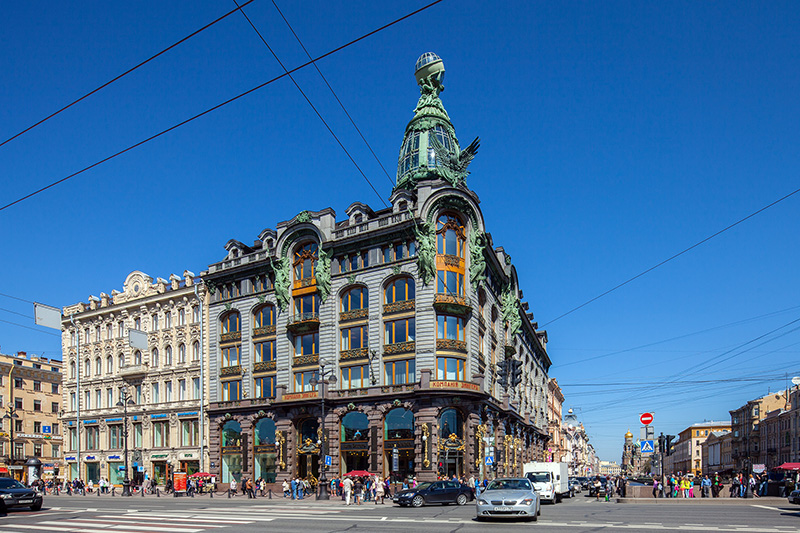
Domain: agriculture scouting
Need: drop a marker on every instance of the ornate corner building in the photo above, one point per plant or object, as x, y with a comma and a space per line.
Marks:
404, 326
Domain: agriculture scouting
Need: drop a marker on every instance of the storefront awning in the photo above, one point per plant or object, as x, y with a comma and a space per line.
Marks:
790, 466
3, 470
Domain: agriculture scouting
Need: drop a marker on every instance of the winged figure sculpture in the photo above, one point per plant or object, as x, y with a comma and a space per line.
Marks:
454, 163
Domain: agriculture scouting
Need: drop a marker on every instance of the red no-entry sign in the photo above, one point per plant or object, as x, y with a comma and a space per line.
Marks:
646, 419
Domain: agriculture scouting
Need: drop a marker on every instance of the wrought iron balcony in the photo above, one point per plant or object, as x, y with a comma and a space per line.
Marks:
452, 304
303, 322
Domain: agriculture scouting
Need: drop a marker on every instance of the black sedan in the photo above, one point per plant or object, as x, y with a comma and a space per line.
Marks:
15, 494
444, 492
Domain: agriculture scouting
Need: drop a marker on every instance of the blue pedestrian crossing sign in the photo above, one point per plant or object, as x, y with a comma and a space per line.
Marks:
647, 446
489, 460
328, 460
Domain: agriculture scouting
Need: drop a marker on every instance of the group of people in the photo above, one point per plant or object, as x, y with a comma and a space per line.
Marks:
355, 490
685, 485
297, 488
609, 485
249, 487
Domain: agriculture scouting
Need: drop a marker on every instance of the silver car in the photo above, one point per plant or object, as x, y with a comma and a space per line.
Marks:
508, 498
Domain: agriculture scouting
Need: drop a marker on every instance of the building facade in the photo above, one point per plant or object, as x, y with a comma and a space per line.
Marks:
394, 341
745, 425
687, 455
161, 377
775, 435
631, 456
30, 402
555, 402
716, 453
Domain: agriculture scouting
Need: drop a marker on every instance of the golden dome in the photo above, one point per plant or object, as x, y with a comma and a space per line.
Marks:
629, 435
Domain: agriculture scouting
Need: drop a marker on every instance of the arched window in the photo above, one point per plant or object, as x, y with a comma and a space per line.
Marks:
98, 366
154, 358
400, 290
168, 355
182, 353
265, 431
355, 298
72, 370
110, 364
264, 316
137, 358
195, 351
355, 426
305, 261
232, 323
451, 422
399, 424
231, 434
450, 236
121, 361
87, 368
308, 430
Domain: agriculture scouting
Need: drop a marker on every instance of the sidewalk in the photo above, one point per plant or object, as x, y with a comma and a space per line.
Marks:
764, 500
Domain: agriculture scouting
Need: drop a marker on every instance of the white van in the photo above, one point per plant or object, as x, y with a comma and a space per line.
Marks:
551, 480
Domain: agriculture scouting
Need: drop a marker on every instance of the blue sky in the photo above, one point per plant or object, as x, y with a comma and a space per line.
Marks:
613, 136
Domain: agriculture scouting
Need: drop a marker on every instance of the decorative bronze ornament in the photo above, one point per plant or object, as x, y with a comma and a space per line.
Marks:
425, 437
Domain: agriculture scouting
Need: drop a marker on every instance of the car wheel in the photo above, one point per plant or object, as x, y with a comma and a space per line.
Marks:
535, 517
462, 499
36, 506
418, 501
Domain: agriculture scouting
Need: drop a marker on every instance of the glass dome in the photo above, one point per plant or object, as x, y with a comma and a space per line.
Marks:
426, 58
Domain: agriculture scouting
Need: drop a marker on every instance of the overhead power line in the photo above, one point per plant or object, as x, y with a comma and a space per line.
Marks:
15, 313
28, 327
637, 348
15, 298
667, 260
308, 100
109, 82
222, 104
353, 122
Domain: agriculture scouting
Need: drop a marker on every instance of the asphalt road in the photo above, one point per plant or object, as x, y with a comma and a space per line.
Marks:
93, 514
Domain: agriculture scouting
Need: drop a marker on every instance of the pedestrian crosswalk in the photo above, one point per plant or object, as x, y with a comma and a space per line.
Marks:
166, 521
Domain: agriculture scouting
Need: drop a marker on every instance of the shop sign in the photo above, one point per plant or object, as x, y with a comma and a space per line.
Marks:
162, 415
159, 456
114, 457
192, 413
69, 458
455, 385
188, 456
16, 467
90, 458
301, 395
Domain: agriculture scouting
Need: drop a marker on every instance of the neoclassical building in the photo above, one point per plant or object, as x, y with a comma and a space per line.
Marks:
163, 380
404, 324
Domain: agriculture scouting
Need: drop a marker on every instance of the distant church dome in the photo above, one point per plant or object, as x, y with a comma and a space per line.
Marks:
629, 435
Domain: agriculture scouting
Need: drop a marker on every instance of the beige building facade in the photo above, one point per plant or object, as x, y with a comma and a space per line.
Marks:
164, 382
30, 402
745, 425
555, 401
687, 454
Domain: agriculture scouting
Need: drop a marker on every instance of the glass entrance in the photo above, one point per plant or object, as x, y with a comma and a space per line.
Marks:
92, 472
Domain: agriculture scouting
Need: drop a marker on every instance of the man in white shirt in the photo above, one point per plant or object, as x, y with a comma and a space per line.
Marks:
347, 485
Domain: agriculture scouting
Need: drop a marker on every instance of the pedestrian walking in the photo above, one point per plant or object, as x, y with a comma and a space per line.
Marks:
379, 491
232, 489
293, 485
347, 486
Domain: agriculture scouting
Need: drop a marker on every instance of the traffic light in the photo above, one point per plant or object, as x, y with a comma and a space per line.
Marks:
661, 443
502, 373
668, 443
441, 468
516, 372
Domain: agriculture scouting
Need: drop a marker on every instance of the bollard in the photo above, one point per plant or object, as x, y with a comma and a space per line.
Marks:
270, 494
211, 492
229, 493
113, 491
142, 490
158, 493
98, 492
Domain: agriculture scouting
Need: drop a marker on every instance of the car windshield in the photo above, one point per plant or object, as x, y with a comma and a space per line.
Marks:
509, 484
8, 483
539, 477
423, 486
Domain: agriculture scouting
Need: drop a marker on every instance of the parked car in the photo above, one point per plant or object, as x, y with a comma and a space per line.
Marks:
444, 492
575, 486
584, 482
794, 497
509, 498
15, 494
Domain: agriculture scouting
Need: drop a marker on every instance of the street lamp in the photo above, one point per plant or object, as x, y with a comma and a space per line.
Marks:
323, 493
11, 415
124, 402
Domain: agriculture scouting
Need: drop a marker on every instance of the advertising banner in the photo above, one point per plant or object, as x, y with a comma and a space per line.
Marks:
179, 481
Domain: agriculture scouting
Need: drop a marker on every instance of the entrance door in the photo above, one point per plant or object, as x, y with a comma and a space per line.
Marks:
308, 465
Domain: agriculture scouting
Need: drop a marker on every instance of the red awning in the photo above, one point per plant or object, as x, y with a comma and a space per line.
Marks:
3, 470
789, 466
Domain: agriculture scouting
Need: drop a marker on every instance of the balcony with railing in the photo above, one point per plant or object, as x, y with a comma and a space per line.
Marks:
451, 304
133, 371
303, 322
404, 306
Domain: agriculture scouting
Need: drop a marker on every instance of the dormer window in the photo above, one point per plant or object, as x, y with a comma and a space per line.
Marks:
359, 218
